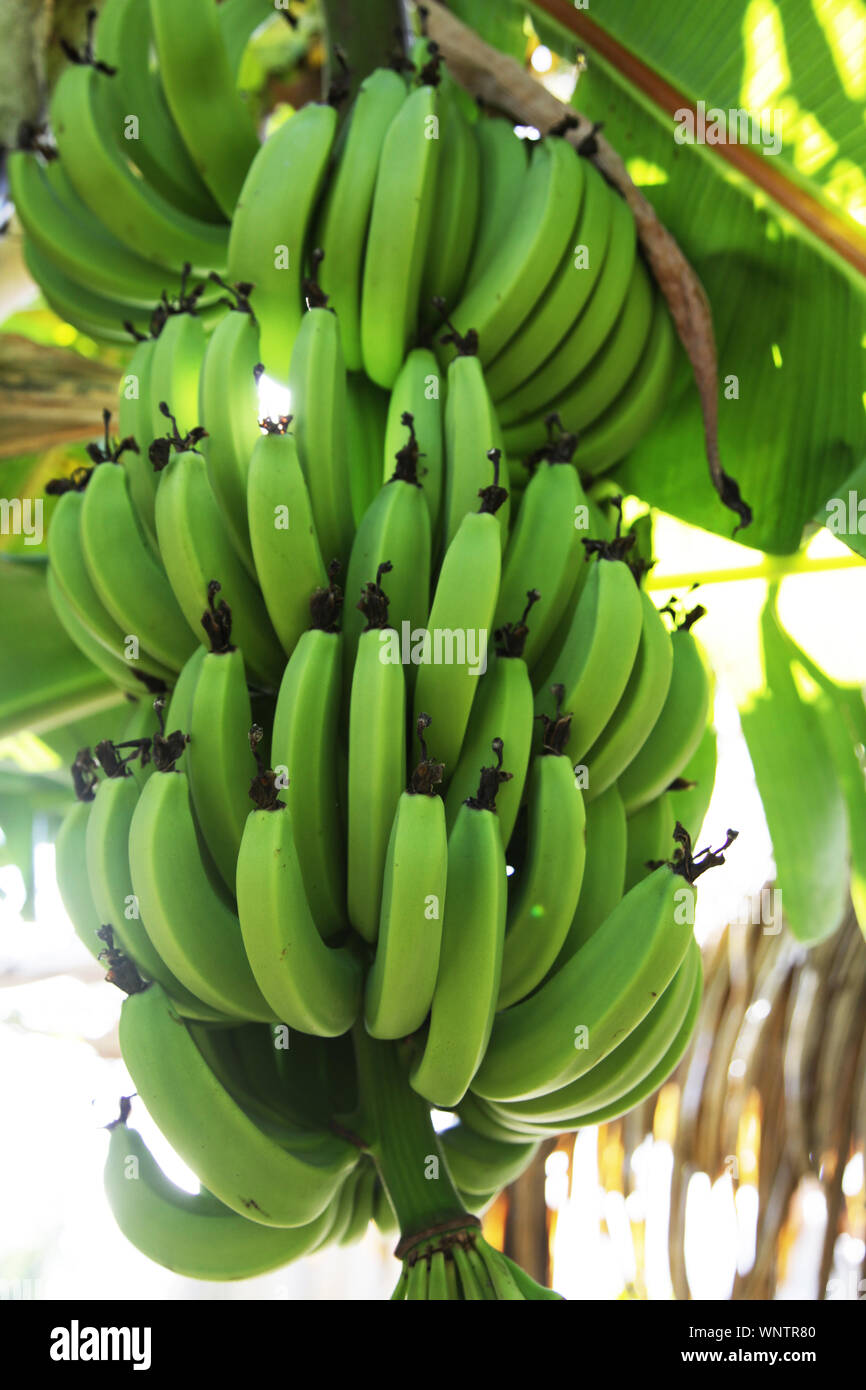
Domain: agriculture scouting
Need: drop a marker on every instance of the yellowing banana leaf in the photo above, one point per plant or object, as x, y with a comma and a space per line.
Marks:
779, 243
800, 791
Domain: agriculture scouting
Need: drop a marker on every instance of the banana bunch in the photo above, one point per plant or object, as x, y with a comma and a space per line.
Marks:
403, 818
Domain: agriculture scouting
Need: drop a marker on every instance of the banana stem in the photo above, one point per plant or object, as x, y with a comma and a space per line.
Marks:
403, 1142
770, 568
365, 35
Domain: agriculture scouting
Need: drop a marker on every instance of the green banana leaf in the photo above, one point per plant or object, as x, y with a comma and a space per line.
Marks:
800, 790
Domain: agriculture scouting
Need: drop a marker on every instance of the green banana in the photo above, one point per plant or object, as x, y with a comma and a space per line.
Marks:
228, 408
197, 550
462, 610
218, 761
398, 235
544, 892
189, 919
502, 709
114, 667
72, 880
126, 572
402, 978
194, 1234
377, 766
693, 789
366, 418
544, 551
584, 340
532, 245
630, 416
175, 370
394, 530
467, 985
471, 432
304, 755
105, 319
346, 212
200, 90
502, 170
134, 422
282, 531
596, 999
88, 139
270, 227
309, 985
417, 392
599, 651
649, 834
601, 382
564, 299
455, 211
285, 1176
642, 701
604, 871
680, 726
317, 381
477, 1162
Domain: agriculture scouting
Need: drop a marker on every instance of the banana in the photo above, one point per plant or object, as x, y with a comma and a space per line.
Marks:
139, 729
544, 892
455, 211
66, 232
308, 984
383, 1212
127, 574
107, 856
649, 834
467, 984
134, 422
366, 415
362, 1204
342, 229
270, 226
178, 713
564, 299
189, 919
402, 978
638, 710
471, 432
228, 408
461, 613
377, 765
601, 382
285, 1176
398, 235
693, 789
194, 1234
532, 245
115, 668
502, 171
71, 574
604, 871
544, 551
503, 709
477, 1163
105, 319
599, 651
218, 761
395, 530
174, 373
588, 334
282, 531
680, 726
630, 416
88, 140
72, 880
604, 991
627, 1065
317, 381
124, 39
417, 391
200, 90
304, 749
197, 549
